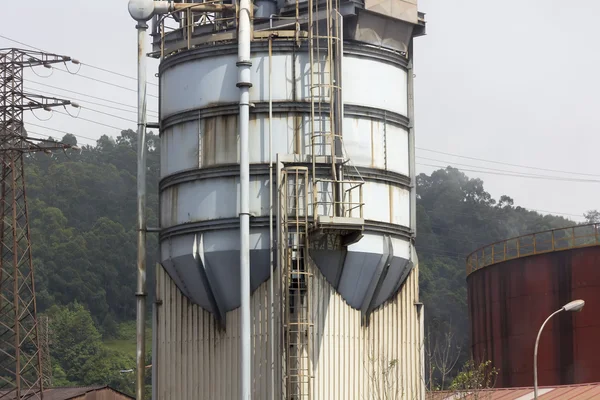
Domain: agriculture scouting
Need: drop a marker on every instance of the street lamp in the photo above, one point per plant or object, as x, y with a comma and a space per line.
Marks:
574, 306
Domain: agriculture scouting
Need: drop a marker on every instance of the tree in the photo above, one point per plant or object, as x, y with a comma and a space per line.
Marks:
106, 368
592, 216
70, 139
384, 379
446, 354
75, 339
473, 378
456, 216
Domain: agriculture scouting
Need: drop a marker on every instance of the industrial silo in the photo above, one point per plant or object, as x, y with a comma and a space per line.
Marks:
515, 284
330, 174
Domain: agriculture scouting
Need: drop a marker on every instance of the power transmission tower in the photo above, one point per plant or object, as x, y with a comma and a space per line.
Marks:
45, 343
20, 355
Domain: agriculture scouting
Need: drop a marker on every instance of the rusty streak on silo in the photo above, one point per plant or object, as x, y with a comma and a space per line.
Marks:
346, 298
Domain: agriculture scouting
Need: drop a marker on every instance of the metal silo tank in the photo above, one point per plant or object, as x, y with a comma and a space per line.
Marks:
360, 262
515, 284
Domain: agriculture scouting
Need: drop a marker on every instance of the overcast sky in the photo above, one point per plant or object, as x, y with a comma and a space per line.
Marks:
514, 82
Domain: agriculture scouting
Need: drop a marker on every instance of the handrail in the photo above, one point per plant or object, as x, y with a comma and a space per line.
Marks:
188, 20
535, 243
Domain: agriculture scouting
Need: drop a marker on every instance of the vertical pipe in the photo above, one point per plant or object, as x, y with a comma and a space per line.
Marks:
411, 141
141, 215
244, 63
279, 337
272, 323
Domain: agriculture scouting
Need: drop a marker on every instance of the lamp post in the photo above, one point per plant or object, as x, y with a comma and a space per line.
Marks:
574, 306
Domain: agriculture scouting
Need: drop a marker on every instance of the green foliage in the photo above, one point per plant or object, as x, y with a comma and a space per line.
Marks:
80, 358
74, 340
83, 225
592, 216
456, 216
59, 377
106, 368
473, 378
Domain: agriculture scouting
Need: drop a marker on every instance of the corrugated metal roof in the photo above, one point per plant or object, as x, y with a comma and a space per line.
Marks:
586, 391
66, 393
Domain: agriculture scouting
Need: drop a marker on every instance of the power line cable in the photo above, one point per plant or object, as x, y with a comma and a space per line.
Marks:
91, 121
21, 43
498, 170
87, 95
108, 114
43, 136
517, 175
60, 131
115, 73
428, 211
505, 163
104, 82
88, 101
81, 63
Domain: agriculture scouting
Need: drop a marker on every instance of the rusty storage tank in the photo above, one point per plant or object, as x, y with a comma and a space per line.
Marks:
514, 285
333, 98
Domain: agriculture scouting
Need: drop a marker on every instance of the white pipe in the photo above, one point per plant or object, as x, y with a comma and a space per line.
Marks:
140, 294
411, 142
272, 322
244, 63
279, 268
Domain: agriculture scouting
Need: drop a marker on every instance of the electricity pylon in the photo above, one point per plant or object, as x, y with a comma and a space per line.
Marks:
20, 355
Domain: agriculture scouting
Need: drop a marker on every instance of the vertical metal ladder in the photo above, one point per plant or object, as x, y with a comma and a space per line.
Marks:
297, 283
333, 196
313, 200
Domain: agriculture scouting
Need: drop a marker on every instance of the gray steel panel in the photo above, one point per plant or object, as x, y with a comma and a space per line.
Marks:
354, 270
206, 82
358, 273
187, 268
396, 274
369, 143
218, 198
179, 148
232, 170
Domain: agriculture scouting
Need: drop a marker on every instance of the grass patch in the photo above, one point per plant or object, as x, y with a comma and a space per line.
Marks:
125, 341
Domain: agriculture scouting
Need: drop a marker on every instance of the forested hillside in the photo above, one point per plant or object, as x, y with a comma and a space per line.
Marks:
455, 216
83, 208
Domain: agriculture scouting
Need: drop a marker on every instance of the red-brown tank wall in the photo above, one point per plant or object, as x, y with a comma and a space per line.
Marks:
509, 301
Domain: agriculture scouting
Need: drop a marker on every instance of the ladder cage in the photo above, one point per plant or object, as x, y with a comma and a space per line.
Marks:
334, 196
305, 196
297, 283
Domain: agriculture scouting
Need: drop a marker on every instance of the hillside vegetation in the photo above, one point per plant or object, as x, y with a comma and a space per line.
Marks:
83, 209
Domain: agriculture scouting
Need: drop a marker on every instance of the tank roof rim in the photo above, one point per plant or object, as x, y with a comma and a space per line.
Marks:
595, 226
351, 47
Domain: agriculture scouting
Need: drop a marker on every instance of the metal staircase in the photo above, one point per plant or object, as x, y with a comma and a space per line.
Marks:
297, 283
317, 201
